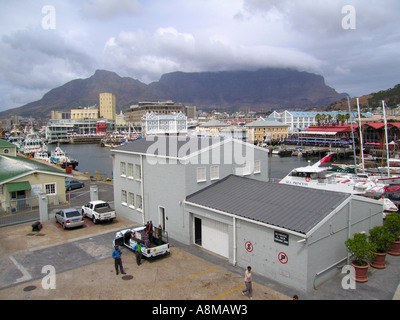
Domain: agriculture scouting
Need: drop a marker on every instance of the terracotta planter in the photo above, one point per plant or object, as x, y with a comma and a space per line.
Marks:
395, 249
361, 272
379, 261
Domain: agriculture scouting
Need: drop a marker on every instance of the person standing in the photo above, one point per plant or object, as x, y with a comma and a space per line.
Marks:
138, 251
248, 282
116, 254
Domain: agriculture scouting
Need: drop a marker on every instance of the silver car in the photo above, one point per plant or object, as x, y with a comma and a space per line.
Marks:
69, 218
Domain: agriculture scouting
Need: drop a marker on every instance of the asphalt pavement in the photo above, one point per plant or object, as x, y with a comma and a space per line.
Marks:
85, 270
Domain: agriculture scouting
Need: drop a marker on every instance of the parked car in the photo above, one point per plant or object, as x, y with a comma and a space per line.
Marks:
98, 211
73, 184
69, 218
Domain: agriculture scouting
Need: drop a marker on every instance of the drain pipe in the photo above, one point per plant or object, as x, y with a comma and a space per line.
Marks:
234, 241
349, 228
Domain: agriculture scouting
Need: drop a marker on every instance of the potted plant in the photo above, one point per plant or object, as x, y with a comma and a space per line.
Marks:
361, 249
382, 239
392, 224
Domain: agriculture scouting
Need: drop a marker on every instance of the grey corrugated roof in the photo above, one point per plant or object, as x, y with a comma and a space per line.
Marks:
169, 146
290, 207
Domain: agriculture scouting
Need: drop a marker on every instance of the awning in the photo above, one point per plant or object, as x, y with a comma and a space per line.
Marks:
18, 186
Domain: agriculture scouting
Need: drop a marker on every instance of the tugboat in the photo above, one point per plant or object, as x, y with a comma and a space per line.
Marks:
58, 156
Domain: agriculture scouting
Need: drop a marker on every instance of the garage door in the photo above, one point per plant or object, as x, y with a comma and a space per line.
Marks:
214, 237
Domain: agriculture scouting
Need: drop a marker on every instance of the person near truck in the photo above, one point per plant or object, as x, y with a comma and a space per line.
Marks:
138, 251
116, 254
149, 230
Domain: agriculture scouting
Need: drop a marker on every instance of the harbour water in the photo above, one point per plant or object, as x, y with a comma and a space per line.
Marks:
93, 157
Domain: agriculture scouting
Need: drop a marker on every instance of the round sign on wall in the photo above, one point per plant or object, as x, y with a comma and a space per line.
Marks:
249, 246
283, 258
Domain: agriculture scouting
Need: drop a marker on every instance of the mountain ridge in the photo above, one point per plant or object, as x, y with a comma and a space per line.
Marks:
263, 89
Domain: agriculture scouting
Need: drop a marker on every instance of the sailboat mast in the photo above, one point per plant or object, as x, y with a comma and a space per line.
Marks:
361, 136
352, 136
386, 137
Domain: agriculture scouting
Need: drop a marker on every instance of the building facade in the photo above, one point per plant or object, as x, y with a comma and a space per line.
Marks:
135, 113
22, 180
108, 105
165, 124
263, 130
286, 233
153, 175
82, 113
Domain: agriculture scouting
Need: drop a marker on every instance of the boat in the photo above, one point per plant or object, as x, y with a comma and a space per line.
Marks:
32, 143
42, 154
58, 156
282, 152
324, 178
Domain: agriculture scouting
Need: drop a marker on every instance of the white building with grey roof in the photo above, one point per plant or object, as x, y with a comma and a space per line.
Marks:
214, 193
290, 234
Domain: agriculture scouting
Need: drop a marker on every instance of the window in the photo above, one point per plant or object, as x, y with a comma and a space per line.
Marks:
139, 205
131, 200
50, 188
257, 166
130, 170
123, 197
247, 168
201, 174
123, 169
214, 172
138, 172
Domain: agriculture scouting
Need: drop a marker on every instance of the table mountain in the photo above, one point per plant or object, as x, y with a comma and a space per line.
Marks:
263, 89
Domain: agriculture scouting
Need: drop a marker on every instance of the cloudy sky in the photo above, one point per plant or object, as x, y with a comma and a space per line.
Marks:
354, 44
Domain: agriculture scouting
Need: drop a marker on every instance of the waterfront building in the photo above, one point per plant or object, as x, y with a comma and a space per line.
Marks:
164, 124
64, 128
107, 105
57, 115
208, 192
7, 148
212, 127
267, 130
22, 180
153, 175
135, 113
300, 120
82, 113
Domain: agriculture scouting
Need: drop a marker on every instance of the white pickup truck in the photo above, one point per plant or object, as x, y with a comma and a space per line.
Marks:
98, 211
150, 249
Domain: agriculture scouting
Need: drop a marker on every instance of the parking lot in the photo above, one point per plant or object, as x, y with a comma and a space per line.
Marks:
84, 269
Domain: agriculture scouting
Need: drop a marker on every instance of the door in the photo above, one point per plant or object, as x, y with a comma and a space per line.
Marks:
214, 236
161, 216
197, 231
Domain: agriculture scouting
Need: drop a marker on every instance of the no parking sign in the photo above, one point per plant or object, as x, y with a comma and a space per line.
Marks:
283, 258
249, 246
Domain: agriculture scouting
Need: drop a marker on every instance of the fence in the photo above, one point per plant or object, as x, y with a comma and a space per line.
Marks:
24, 210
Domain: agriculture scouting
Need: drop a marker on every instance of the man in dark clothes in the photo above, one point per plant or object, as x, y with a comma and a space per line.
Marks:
116, 254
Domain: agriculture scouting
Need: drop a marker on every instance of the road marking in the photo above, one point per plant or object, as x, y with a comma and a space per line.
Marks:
233, 290
25, 274
188, 278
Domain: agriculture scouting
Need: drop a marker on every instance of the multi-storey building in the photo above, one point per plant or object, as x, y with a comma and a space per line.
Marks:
107, 105
267, 130
165, 124
135, 113
82, 113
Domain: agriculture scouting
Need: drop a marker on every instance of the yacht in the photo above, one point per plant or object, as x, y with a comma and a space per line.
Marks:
324, 178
